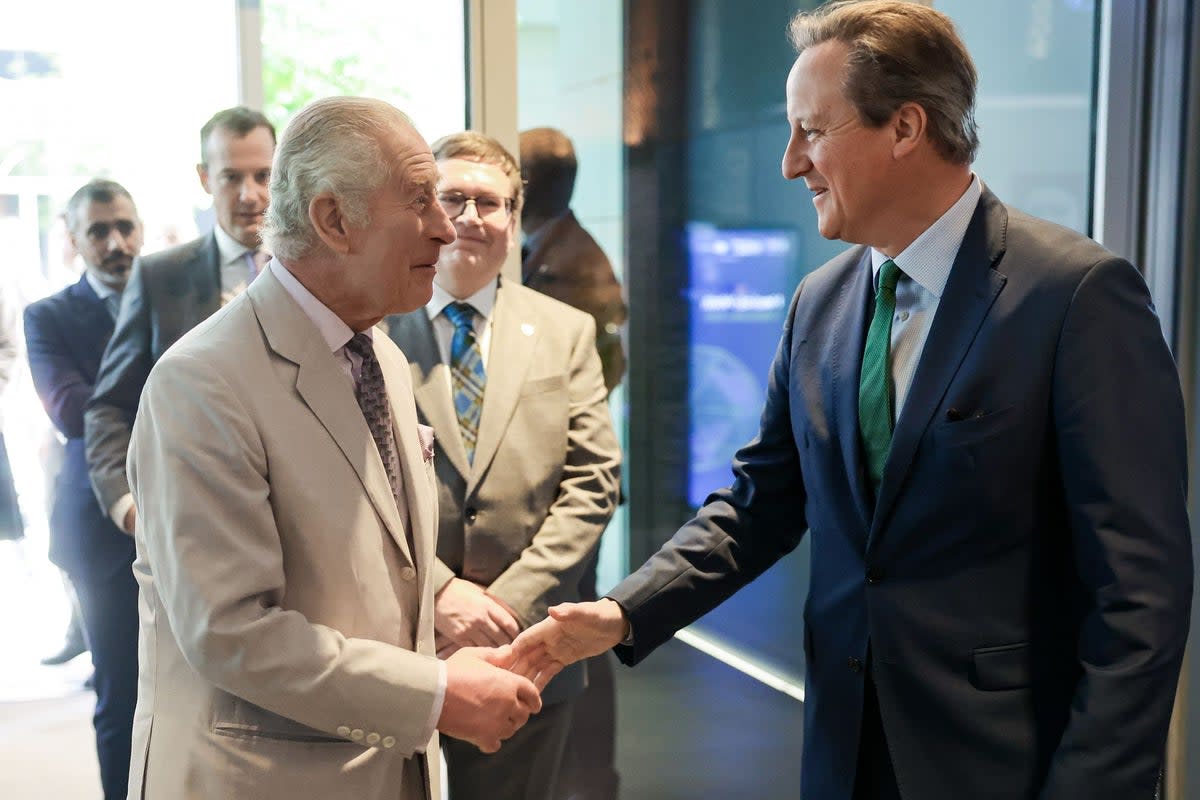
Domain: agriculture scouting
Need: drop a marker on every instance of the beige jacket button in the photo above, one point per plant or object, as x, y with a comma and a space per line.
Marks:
408, 573
343, 730
356, 734
389, 741
372, 739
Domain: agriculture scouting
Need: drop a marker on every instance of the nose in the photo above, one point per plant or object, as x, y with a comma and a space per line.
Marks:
795, 158
250, 192
442, 230
116, 240
469, 203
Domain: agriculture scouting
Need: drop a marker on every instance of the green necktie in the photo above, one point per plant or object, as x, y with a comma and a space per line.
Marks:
875, 383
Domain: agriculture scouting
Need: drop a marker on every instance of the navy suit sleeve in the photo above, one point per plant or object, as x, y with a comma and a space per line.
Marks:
108, 420
738, 533
62, 387
1119, 422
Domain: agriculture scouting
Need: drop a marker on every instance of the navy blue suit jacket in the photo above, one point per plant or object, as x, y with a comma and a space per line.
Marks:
65, 336
1022, 585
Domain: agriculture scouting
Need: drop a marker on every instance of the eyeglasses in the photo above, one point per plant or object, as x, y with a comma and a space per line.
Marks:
487, 206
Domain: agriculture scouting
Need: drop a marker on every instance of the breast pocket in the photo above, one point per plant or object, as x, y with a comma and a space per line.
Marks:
976, 429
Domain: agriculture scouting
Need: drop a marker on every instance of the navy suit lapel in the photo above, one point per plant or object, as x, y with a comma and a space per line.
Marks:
207, 279
970, 291
91, 323
850, 333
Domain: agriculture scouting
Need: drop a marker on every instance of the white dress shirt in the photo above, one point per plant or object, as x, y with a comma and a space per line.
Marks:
237, 264
925, 265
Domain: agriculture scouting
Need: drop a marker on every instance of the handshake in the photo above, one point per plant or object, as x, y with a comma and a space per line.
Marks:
493, 686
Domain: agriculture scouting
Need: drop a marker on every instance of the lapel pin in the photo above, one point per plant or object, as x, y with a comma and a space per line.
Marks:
526, 329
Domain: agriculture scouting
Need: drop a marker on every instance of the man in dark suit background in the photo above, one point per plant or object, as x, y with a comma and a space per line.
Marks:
170, 292
561, 259
975, 414
65, 336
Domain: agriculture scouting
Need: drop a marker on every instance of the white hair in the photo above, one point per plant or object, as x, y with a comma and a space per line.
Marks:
332, 145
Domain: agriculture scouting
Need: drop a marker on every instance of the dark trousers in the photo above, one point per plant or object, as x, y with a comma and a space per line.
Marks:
591, 758
875, 779
527, 766
110, 618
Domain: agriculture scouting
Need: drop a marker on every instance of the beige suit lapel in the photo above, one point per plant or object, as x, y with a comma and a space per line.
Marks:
418, 483
514, 332
326, 390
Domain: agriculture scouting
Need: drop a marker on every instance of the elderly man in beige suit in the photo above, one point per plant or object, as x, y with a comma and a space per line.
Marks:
285, 549
527, 462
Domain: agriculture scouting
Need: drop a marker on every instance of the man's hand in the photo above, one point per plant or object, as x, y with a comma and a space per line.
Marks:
130, 520
468, 617
572, 632
485, 703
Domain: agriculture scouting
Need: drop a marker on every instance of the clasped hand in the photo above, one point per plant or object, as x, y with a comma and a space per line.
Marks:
491, 692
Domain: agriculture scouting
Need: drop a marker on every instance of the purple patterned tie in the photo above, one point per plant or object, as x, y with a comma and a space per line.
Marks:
371, 394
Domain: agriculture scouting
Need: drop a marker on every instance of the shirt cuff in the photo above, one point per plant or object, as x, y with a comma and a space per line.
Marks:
120, 509
435, 713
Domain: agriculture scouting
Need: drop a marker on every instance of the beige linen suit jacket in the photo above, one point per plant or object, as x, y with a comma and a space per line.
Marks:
524, 518
286, 625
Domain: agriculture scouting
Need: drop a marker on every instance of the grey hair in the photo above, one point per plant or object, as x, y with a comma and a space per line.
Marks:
97, 190
332, 145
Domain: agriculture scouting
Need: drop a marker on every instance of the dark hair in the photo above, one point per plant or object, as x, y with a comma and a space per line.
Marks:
239, 119
97, 190
476, 146
900, 52
549, 167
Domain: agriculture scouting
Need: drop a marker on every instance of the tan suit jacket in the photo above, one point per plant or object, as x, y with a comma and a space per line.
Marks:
286, 625
524, 519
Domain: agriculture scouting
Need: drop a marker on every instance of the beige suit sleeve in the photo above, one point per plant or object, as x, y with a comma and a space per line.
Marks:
587, 493
200, 474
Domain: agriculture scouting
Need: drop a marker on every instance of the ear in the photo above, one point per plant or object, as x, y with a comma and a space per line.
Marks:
202, 173
325, 216
910, 125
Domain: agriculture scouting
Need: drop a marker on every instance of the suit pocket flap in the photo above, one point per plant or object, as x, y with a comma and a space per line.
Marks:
548, 384
1004, 667
233, 716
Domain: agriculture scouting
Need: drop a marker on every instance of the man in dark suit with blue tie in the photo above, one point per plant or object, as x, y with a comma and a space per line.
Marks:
975, 415
65, 335
172, 291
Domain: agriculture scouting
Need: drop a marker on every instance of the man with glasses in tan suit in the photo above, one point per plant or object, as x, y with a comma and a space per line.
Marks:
527, 461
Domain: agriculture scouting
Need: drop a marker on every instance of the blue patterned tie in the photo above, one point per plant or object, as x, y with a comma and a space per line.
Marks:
875, 383
466, 374
371, 393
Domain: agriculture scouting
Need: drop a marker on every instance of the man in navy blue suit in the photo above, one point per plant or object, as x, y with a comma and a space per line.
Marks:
65, 337
974, 414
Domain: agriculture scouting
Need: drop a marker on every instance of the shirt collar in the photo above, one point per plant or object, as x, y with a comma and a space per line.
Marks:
335, 332
483, 301
929, 258
103, 291
229, 248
